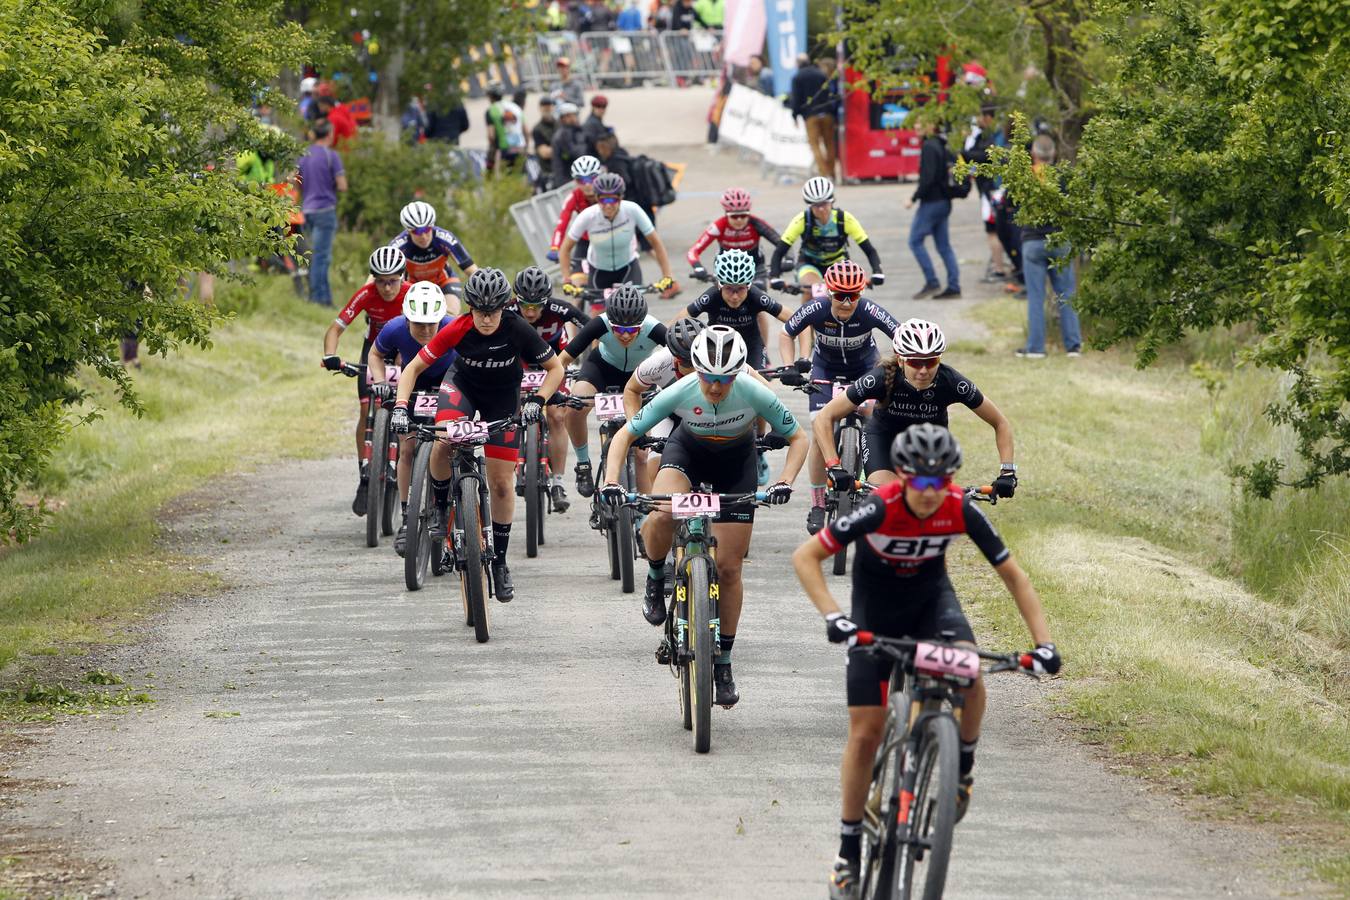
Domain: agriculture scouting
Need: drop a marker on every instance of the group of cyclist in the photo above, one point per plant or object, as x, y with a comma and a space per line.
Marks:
698, 384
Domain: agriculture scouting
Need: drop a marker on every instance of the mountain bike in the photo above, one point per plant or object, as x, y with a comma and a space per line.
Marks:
617, 525
418, 550
693, 629
380, 459
911, 802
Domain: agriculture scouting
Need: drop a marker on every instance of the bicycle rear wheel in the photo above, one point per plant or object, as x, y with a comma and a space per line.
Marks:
534, 498
702, 611
848, 460
922, 864
421, 505
390, 505
624, 526
471, 577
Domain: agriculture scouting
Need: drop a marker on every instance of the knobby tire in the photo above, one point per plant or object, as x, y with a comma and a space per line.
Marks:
471, 578
420, 505
534, 500
624, 527
933, 815
702, 610
848, 460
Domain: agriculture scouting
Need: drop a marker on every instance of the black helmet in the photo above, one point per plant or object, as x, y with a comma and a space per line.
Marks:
609, 184
533, 285
926, 449
680, 337
487, 290
625, 305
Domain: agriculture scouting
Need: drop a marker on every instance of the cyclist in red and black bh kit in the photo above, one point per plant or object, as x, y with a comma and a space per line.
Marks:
492, 343
901, 589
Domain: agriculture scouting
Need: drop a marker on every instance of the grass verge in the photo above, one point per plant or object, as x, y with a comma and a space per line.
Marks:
1225, 683
256, 396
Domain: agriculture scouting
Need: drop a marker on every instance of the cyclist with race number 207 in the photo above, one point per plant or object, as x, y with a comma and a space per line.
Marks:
901, 590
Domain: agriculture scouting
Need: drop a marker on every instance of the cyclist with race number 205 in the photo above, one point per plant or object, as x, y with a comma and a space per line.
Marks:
493, 344
901, 590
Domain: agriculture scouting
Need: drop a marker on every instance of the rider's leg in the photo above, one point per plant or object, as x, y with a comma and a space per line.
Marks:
558, 439
407, 447
361, 432
577, 428
501, 476
733, 540
865, 724
659, 528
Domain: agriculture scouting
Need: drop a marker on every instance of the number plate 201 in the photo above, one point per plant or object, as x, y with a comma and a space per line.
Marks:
940, 660
688, 506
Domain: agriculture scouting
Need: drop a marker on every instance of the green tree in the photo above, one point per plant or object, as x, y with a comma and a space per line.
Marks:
119, 124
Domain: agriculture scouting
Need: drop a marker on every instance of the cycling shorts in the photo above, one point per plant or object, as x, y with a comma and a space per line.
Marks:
811, 265
876, 446
726, 469
824, 393
603, 278
895, 608
455, 403
606, 379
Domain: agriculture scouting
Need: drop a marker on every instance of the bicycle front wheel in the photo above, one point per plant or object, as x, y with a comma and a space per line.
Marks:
421, 504
390, 467
922, 864
702, 612
624, 525
471, 577
848, 460
534, 497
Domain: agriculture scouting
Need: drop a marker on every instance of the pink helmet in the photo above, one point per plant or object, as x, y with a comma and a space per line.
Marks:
736, 200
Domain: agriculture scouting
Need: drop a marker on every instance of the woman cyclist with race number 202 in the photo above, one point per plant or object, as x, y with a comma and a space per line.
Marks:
915, 386
714, 444
901, 589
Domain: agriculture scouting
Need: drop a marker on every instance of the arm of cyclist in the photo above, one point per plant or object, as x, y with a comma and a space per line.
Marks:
769, 408
823, 430
1003, 439
632, 396
780, 250
695, 254
331, 360
589, 334
618, 453
1027, 600
659, 251
565, 259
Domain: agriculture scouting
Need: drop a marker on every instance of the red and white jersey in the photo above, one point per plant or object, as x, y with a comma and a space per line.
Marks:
575, 203
367, 299
745, 238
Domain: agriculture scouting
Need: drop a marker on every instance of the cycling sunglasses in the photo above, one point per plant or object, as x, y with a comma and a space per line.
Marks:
610, 201
718, 379
425, 229
533, 304
929, 482
847, 296
625, 329
585, 179
922, 362
744, 215
389, 281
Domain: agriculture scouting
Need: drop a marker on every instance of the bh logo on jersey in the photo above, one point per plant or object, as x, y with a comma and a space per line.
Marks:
910, 550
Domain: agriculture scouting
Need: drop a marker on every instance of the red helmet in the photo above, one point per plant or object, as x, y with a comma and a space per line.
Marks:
845, 277
736, 200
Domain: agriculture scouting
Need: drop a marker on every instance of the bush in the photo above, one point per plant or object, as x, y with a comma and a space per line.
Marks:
383, 175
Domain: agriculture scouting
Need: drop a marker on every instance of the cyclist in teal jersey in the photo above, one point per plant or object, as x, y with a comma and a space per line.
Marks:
714, 444
625, 334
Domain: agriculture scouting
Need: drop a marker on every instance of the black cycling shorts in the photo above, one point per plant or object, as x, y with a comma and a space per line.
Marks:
455, 403
727, 469
894, 608
606, 379
822, 368
603, 278
876, 445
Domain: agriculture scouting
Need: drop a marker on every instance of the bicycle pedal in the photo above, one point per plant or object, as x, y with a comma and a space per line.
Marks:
663, 654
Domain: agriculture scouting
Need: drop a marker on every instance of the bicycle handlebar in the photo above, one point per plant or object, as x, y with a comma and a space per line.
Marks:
902, 651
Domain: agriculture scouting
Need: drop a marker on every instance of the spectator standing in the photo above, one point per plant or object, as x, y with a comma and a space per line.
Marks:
306, 102
555, 17
935, 209
415, 121
581, 17
1039, 255
710, 13
984, 137
682, 15
447, 126
630, 19
543, 131
322, 178
760, 76
594, 127
568, 143
513, 133
339, 116
814, 102
492, 120
569, 89
663, 15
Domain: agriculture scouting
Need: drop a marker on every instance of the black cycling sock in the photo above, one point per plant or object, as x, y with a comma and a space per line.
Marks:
403, 508
656, 571
501, 536
724, 654
441, 491
968, 756
850, 840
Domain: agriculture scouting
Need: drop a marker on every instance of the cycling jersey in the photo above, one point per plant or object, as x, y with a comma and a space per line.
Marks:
827, 243
909, 406
731, 421
625, 359
553, 319
745, 238
842, 347
488, 364
378, 311
396, 341
613, 241
432, 262
899, 545
575, 203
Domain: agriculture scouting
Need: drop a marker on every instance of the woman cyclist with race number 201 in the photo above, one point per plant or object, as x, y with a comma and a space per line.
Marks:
714, 444
901, 590
492, 343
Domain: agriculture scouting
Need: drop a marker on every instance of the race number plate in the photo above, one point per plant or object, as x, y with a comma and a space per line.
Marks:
533, 380
390, 373
935, 659
425, 406
609, 406
687, 506
466, 431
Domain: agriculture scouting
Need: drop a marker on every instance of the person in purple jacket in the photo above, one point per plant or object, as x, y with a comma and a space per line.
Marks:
322, 177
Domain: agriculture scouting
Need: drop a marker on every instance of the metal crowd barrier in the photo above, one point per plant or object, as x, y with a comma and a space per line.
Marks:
693, 54
536, 217
624, 58
613, 59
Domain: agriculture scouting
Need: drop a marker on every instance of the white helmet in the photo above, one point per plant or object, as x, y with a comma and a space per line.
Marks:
818, 190
307, 85
424, 303
418, 214
387, 261
585, 165
718, 350
918, 337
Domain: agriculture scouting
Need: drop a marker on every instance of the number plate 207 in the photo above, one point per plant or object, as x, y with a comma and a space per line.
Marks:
688, 506
936, 659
